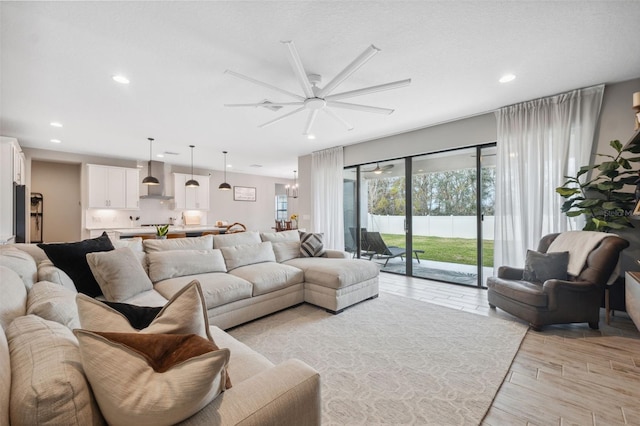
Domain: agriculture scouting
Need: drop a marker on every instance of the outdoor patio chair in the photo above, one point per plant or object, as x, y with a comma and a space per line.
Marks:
377, 247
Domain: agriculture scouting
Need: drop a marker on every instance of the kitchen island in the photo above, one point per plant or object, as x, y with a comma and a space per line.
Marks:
122, 233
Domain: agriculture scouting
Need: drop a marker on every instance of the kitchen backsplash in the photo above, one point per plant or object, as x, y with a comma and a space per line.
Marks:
151, 211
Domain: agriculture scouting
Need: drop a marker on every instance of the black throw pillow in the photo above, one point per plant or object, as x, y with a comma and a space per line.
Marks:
139, 316
539, 267
72, 259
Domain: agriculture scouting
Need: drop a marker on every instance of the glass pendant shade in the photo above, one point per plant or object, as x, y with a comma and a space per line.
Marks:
292, 190
192, 183
224, 186
150, 180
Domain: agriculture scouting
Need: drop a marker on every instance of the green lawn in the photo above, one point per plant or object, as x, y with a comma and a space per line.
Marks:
454, 250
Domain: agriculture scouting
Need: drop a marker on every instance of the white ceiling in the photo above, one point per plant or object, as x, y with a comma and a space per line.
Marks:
58, 59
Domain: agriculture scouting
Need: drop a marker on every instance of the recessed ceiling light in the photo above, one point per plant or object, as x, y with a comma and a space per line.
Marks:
507, 78
229, 165
120, 79
55, 124
56, 141
311, 136
160, 155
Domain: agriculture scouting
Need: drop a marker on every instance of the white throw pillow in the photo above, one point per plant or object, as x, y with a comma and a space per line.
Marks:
185, 313
195, 243
53, 302
286, 250
48, 385
146, 379
118, 273
229, 240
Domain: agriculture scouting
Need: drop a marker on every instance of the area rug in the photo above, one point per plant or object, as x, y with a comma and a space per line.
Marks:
394, 360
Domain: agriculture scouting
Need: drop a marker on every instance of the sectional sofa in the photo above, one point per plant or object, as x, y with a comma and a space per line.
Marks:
240, 277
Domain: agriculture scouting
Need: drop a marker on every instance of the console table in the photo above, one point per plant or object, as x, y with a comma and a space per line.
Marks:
632, 296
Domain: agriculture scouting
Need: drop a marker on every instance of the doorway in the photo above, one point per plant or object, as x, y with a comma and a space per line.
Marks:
59, 186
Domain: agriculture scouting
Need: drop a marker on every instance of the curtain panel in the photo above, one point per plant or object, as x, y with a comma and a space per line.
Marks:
539, 143
327, 184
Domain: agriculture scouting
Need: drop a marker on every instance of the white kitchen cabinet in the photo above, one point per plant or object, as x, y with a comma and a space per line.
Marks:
186, 198
133, 189
9, 150
113, 187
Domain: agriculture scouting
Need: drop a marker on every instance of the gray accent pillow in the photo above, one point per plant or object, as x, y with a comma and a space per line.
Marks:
540, 267
248, 254
311, 244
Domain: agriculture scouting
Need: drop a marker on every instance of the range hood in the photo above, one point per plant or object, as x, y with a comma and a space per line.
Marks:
156, 192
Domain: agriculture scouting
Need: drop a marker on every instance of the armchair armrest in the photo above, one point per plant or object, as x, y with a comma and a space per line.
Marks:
509, 273
285, 395
568, 293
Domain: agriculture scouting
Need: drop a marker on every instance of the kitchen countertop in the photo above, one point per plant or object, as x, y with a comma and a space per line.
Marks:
152, 230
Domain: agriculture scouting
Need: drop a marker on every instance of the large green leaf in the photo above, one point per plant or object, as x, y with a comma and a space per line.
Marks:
589, 203
634, 149
615, 144
611, 205
575, 213
624, 163
567, 192
608, 186
585, 169
608, 165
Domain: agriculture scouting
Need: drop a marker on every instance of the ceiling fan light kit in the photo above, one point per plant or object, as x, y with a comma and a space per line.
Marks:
315, 98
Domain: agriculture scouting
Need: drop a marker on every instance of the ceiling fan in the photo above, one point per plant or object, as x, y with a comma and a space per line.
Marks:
379, 170
317, 98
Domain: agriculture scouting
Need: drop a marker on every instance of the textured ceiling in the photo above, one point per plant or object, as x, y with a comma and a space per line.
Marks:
58, 59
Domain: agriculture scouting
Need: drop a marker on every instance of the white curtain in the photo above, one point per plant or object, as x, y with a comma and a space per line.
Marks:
327, 184
539, 143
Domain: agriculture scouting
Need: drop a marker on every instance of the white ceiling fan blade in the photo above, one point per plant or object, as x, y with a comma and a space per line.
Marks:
350, 69
312, 117
358, 107
263, 84
338, 118
268, 123
370, 89
298, 69
265, 104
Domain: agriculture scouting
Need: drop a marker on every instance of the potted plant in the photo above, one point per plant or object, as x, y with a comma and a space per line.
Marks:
601, 198
162, 231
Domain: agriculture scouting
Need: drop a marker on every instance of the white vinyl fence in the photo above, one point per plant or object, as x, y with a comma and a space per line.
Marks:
432, 226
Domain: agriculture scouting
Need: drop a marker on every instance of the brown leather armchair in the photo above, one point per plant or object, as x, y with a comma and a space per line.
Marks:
557, 301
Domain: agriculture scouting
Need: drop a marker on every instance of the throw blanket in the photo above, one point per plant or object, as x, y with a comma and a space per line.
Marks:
579, 244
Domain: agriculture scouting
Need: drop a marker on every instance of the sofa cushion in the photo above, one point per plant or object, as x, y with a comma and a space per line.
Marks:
33, 250
148, 298
47, 271
13, 301
185, 313
54, 303
311, 244
228, 240
528, 292
286, 244
5, 379
71, 258
179, 263
279, 237
48, 385
247, 254
158, 379
21, 262
335, 273
270, 276
218, 288
119, 274
195, 243
134, 244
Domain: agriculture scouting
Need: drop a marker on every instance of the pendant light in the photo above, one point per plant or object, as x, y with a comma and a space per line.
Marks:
224, 186
192, 183
150, 180
292, 190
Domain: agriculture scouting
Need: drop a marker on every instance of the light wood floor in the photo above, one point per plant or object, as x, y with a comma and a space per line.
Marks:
563, 375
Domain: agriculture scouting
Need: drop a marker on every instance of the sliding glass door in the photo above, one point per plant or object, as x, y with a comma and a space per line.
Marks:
438, 226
